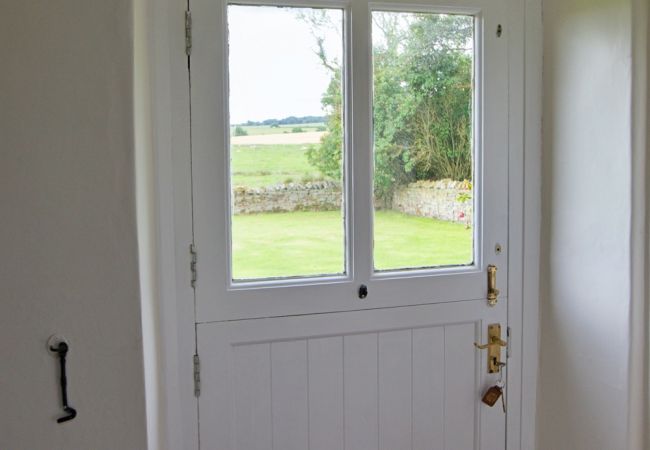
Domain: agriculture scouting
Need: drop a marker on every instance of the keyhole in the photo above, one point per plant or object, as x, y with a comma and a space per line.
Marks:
363, 291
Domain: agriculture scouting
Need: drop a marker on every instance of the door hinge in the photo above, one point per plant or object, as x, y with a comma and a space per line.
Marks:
197, 376
193, 260
188, 32
508, 340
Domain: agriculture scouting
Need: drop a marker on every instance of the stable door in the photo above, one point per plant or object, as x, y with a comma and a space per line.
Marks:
349, 173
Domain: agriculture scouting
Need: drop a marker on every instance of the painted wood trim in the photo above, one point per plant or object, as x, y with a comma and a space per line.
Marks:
172, 180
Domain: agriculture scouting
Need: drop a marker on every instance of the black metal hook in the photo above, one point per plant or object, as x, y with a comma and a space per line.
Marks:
62, 351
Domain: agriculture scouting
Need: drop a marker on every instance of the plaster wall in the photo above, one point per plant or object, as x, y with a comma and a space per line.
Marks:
69, 258
587, 210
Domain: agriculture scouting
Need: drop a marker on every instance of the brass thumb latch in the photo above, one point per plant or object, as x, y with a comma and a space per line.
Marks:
492, 291
494, 348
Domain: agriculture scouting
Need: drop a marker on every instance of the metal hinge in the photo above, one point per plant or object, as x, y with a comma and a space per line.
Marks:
188, 32
508, 339
197, 376
193, 259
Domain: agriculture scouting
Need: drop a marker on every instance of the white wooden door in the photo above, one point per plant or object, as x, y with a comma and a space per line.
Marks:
403, 378
302, 360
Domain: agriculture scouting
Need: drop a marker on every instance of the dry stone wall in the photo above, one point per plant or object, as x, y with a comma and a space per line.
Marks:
317, 196
445, 199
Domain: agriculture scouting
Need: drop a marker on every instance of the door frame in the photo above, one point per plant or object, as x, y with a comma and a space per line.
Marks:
176, 423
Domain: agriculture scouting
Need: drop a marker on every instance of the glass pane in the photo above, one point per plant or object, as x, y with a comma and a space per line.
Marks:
286, 143
423, 152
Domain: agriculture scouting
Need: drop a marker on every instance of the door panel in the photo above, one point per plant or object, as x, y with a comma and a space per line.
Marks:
219, 297
388, 379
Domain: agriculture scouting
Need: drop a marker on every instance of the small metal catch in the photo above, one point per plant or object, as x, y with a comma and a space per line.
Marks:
499, 30
363, 291
492, 291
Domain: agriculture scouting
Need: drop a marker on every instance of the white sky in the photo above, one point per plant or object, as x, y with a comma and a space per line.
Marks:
274, 72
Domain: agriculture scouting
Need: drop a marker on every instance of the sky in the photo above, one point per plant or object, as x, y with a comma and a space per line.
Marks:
273, 69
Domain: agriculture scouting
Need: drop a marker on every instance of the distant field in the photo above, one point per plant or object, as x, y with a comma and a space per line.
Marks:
308, 137
267, 129
265, 165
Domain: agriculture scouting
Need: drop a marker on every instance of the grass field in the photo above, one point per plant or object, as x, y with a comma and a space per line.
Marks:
265, 165
267, 129
311, 243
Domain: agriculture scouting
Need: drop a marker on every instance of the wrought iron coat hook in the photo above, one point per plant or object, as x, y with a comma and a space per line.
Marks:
62, 350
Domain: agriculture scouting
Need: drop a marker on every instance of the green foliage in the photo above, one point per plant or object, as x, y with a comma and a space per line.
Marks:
422, 100
239, 131
297, 130
327, 156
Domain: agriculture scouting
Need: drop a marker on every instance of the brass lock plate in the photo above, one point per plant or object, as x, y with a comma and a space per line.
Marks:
493, 347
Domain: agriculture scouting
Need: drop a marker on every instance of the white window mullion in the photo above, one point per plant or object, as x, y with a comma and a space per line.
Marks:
361, 149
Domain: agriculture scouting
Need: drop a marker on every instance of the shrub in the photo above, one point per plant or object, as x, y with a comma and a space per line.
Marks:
297, 130
239, 131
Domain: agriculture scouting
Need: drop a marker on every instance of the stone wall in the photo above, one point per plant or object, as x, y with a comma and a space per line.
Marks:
437, 199
444, 199
317, 196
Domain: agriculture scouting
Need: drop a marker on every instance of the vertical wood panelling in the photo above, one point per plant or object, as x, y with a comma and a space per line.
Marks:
360, 402
289, 392
409, 389
428, 388
395, 393
460, 391
326, 393
252, 382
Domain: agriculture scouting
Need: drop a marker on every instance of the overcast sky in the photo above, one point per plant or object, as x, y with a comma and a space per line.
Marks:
274, 72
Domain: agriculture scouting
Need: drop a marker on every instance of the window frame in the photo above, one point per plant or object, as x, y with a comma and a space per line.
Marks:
359, 209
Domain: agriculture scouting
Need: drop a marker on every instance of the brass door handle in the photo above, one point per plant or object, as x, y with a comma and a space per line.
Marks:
493, 341
494, 346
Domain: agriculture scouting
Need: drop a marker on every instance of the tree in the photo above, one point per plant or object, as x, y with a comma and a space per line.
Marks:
422, 98
328, 156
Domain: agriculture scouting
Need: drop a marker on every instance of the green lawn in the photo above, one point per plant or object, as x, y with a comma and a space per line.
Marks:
311, 243
267, 129
265, 165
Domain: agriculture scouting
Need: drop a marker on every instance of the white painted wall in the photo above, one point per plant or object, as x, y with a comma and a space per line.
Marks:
68, 247
587, 254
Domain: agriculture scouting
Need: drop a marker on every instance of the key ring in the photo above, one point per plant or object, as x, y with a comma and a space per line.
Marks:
500, 382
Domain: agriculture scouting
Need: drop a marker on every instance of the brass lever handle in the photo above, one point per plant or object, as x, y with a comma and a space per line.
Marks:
493, 341
493, 347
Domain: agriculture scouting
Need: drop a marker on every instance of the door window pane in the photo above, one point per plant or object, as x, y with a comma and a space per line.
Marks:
286, 141
423, 98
